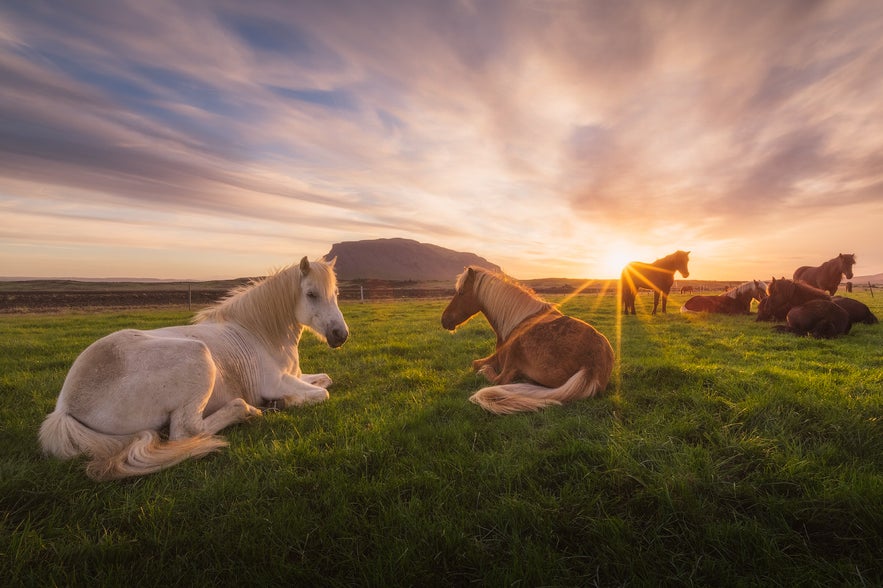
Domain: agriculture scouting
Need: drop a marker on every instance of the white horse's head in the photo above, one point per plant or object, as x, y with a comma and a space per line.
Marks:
317, 306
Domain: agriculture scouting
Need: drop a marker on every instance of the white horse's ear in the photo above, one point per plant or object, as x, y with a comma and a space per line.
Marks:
331, 261
304, 266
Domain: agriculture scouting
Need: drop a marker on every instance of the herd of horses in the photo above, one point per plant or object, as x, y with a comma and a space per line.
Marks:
240, 357
806, 303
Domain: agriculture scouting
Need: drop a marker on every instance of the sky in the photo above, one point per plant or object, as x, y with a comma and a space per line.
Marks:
556, 138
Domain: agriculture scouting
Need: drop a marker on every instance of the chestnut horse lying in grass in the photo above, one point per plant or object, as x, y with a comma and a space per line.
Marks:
783, 295
559, 358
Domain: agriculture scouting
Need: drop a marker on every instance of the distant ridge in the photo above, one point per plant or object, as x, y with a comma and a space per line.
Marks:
401, 260
874, 279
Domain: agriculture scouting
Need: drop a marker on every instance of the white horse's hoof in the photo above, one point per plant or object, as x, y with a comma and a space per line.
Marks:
321, 380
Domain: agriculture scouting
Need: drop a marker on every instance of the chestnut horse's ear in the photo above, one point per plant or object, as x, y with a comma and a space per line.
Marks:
470, 275
304, 266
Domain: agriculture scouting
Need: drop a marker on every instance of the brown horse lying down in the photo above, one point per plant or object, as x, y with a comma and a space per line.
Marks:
556, 358
736, 301
784, 295
858, 311
820, 318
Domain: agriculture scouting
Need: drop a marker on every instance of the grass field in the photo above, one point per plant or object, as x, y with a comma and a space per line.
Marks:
722, 454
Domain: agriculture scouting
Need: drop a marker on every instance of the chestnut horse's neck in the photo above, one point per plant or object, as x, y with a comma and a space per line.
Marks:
506, 304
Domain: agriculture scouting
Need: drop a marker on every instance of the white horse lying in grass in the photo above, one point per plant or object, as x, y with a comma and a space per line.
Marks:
196, 379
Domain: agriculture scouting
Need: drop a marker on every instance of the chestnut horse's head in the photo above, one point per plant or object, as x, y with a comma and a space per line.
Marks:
464, 304
847, 260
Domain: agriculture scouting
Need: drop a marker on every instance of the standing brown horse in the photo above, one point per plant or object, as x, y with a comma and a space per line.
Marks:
784, 295
561, 358
827, 275
658, 276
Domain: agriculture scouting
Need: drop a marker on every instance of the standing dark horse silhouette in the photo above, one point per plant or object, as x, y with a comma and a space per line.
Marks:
827, 275
658, 276
784, 295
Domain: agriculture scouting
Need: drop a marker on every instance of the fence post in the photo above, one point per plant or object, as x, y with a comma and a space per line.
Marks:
189, 296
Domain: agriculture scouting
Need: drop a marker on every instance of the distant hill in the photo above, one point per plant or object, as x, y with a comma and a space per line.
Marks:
400, 259
873, 279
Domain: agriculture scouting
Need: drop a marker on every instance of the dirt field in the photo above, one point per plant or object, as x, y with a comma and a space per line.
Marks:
54, 301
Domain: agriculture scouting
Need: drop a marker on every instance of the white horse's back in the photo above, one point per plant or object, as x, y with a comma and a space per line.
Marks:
133, 380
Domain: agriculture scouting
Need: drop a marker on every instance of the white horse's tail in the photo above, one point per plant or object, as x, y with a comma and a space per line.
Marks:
510, 398
114, 457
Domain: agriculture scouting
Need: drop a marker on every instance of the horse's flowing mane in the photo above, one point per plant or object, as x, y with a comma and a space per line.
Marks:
266, 306
506, 302
804, 289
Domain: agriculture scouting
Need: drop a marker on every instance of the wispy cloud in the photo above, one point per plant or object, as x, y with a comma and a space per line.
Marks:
538, 133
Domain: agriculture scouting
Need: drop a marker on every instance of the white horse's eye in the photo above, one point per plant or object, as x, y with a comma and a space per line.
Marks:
311, 295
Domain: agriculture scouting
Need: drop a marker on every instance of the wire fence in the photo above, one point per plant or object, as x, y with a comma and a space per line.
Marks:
192, 296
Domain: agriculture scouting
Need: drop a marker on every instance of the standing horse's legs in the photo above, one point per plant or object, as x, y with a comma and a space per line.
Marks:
656, 301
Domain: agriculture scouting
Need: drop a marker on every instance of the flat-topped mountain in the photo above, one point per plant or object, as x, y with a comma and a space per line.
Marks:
400, 259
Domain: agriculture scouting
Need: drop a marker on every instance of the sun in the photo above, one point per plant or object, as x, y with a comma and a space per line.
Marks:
611, 265
618, 254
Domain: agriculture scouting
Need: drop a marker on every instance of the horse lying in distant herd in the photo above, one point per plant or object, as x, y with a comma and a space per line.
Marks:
807, 310
241, 357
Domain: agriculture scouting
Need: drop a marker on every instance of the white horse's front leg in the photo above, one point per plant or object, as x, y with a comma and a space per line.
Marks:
321, 380
296, 392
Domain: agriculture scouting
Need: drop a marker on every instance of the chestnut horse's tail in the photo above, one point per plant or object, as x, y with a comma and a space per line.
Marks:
510, 398
113, 457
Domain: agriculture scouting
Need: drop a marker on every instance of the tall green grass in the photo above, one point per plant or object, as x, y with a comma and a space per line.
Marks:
721, 454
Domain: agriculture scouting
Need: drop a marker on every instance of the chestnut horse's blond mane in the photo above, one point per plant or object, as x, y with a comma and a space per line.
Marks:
506, 302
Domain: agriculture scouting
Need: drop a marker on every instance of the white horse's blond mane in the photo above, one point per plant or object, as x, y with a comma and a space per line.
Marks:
266, 306
507, 303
